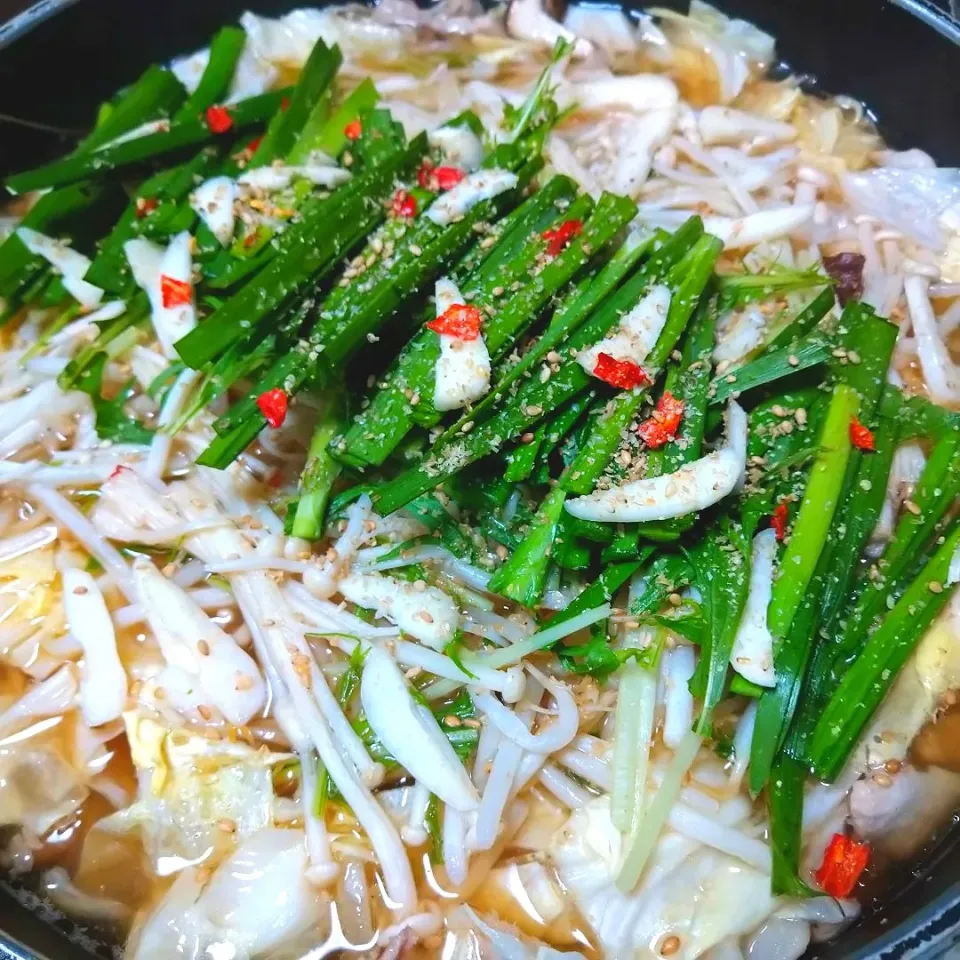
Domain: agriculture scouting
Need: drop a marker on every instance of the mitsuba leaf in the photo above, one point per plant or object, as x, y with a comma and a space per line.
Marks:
113, 422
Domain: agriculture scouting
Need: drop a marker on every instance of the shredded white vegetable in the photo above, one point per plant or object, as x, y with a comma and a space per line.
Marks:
103, 681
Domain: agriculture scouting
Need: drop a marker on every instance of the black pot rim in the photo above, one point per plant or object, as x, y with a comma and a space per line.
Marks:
932, 928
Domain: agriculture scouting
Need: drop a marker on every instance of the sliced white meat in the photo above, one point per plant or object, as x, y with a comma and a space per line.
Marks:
424, 612
252, 76
754, 228
908, 463
260, 897
693, 487
150, 263
741, 333
636, 333
103, 681
471, 190
71, 264
752, 654
411, 733
189, 69
638, 92
213, 202
638, 141
896, 812
462, 373
528, 20
726, 125
610, 30
281, 176
460, 145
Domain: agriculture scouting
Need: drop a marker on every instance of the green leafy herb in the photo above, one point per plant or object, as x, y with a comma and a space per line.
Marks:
113, 422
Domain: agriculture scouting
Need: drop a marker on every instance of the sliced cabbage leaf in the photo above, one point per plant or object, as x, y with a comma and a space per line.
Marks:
188, 785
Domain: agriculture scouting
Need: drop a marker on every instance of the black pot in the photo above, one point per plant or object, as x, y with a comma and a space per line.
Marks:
61, 58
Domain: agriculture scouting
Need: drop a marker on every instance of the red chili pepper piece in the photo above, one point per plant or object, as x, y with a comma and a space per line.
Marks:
619, 373
219, 119
253, 144
117, 471
460, 320
861, 437
558, 237
778, 520
448, 177
662, 427
353, 130
146, 205
424, 174
285, 103
438, 178
843, 862
175, 293
250, 239
273, 405
404, 204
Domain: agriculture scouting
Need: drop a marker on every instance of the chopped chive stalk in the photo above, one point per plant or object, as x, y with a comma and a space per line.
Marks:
820, 499
534, 398
528, 566
785, 806
314, 80
688, 278
805, 321
722, 569
812, 350
633, 732
319, 474
313, 244
323, 131
523, 577
644, 837
507, 656
225, 50
933, 497
879, 662
109, 159
415, 374
794, 603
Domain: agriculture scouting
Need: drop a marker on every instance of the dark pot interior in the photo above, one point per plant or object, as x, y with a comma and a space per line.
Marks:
58, 62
